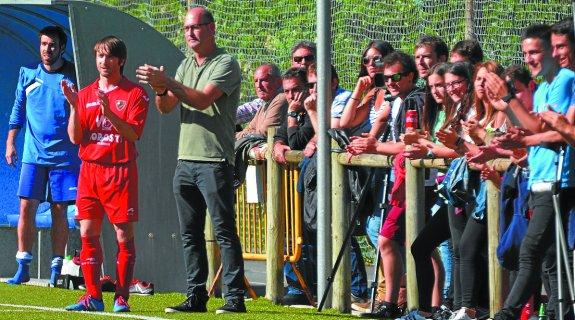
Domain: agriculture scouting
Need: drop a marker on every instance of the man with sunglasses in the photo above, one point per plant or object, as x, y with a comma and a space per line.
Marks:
400, 76
303, 54
207, 86
339, 97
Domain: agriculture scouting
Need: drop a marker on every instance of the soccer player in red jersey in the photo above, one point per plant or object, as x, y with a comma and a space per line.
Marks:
106, 119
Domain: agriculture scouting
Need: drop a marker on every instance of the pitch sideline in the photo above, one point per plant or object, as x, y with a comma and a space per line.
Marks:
103, 314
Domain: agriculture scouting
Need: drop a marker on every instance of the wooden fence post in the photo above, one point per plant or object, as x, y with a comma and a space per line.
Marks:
214, 259
414, 221
275, 226
341, 295
495, 271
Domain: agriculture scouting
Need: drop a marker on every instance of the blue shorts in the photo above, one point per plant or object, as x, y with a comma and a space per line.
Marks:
48, 183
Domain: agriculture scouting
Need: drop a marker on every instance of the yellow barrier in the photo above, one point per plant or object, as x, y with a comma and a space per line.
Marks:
272, 230
251, 218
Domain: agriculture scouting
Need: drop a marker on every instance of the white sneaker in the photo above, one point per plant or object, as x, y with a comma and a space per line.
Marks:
461, 314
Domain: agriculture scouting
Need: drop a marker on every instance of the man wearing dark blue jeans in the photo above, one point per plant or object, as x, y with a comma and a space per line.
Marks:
555, 92
207, 84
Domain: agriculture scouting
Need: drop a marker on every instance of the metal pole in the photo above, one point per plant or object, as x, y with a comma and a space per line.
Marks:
323, 152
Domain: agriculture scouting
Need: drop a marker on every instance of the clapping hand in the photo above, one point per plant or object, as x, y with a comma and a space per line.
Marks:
448, 137
69, 92
364, 144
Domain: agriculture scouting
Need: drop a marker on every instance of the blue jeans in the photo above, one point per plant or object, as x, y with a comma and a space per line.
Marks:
446, 254
307, 266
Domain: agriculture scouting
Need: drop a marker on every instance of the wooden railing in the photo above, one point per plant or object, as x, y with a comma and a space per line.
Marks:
275, 232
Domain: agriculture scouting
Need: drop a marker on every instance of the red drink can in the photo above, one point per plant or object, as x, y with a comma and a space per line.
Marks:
411, 119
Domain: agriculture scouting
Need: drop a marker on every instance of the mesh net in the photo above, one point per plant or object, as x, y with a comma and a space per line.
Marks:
258, 31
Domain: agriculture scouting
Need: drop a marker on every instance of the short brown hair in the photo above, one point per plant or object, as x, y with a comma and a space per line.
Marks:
114, 46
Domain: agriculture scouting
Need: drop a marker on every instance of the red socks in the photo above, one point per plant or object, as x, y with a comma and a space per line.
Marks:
91, 259
126, 259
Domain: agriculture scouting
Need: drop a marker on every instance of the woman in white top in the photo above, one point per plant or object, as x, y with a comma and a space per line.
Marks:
360, 111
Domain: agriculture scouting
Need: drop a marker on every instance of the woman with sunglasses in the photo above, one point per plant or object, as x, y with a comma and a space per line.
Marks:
356, 116
365, 101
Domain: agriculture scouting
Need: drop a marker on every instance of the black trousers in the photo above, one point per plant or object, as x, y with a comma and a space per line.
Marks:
441, 226
208, 185
537, 253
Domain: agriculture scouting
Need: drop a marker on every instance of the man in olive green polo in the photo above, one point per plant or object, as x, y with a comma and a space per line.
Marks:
207, 85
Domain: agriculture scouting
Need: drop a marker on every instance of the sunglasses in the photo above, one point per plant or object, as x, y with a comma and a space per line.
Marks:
310, 57
311, 85
394, 77
367, 60
454, 84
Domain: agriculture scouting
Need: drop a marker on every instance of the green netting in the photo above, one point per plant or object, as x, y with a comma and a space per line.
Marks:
260, 31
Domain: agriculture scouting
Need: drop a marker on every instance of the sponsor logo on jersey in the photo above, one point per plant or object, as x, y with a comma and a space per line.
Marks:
92, 104
121, 104
105, 138
103, 123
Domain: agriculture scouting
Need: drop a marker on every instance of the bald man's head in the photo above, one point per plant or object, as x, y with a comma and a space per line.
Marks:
199, 30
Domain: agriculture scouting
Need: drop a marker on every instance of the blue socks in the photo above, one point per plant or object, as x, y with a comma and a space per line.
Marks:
56, 269
23, 273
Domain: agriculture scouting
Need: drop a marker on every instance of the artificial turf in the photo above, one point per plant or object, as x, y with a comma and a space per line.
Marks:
146, 306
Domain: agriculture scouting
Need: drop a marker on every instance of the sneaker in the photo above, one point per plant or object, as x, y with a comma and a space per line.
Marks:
291, 299
384, 310
442, 313
414, 315
86, 303
121, 305
143, 288
232, 306
194, 303
461, 314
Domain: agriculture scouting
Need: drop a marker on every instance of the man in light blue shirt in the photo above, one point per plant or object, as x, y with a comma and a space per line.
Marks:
555, 91
50, 161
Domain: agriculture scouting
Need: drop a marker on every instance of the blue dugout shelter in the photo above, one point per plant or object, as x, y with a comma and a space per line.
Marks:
157, 232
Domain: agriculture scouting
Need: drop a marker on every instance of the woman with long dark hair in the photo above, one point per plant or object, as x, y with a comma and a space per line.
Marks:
362, 107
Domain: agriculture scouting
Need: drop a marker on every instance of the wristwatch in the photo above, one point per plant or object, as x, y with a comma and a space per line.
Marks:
508, 97
293, 114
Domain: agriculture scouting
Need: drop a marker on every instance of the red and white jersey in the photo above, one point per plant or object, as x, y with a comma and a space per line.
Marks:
101, 142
